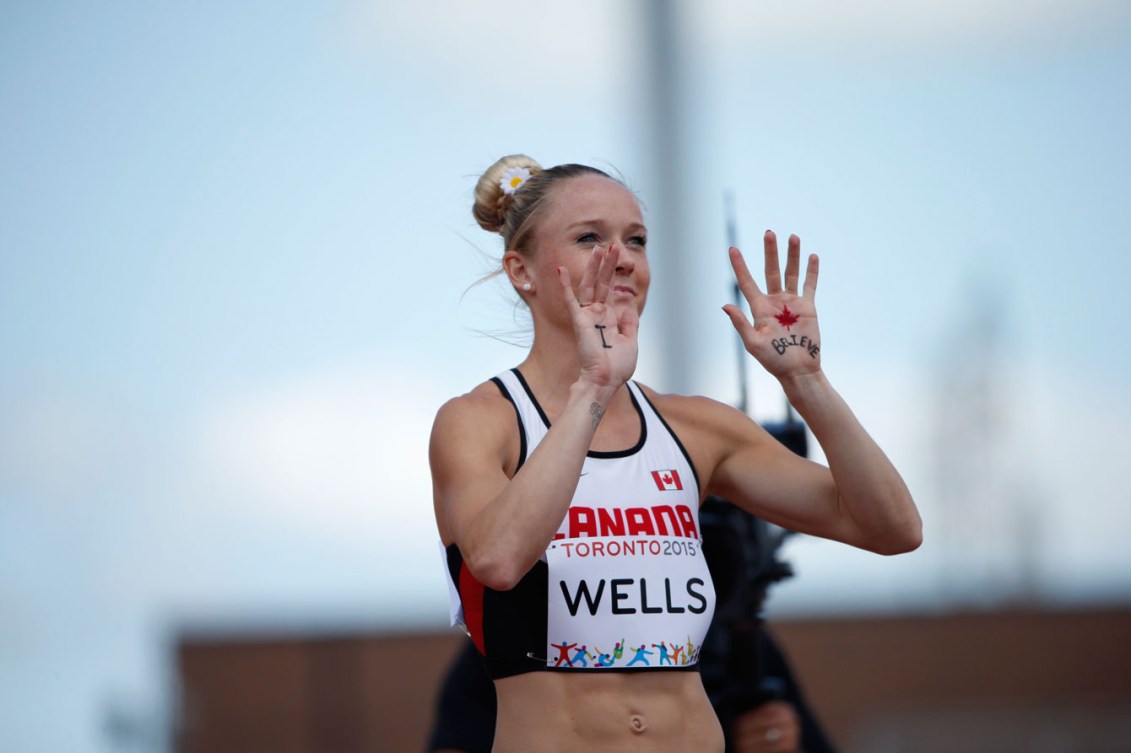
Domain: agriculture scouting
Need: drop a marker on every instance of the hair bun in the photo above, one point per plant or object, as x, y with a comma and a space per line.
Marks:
491, 201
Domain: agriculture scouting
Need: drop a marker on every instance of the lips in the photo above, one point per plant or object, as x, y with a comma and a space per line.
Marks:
623, 290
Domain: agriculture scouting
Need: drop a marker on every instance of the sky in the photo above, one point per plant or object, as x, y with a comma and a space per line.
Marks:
236, 282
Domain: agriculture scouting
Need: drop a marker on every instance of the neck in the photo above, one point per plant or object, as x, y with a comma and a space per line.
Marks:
552, 367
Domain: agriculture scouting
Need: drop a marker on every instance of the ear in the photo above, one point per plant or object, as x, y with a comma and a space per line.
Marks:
517, 270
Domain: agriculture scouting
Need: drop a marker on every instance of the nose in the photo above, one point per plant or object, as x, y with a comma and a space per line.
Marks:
625, 262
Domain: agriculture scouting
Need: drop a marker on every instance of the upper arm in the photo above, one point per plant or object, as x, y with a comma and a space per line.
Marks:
744, 464
472, 453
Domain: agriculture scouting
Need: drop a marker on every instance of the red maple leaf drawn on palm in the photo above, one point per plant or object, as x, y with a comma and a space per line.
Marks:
786, 318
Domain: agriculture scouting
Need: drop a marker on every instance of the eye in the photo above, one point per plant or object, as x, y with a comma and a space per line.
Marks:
589, 238
639, 240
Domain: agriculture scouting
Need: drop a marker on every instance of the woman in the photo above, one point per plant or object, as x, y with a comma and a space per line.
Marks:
572, 532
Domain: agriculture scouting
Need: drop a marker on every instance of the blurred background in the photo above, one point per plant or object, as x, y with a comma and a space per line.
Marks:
236, 253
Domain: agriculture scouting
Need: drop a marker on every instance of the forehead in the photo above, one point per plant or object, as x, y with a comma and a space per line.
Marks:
592, 197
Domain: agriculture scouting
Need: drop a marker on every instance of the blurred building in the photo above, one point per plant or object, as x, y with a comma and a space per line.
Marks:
977, 682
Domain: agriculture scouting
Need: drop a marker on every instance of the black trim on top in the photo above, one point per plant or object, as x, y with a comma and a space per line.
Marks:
675, 437
638, 446
518, 416
530, 394
595, 453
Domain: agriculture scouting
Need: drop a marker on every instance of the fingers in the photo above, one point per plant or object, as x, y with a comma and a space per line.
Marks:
605, 274
567, 285
773, 269
586, 289
811, 277
597, 280
742, 275
792, 264
792, 267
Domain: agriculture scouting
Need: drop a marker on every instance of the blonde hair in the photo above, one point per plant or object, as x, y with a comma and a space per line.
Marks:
515, 215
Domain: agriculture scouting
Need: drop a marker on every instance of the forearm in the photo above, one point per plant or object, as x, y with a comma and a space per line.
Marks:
512, 531
872, 495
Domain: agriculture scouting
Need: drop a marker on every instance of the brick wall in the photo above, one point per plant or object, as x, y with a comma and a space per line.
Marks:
960, 683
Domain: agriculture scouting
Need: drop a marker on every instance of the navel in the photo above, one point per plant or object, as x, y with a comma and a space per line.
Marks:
638, 723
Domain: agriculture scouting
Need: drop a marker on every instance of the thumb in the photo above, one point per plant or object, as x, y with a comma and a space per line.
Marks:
628, 324
741, 324
737, 318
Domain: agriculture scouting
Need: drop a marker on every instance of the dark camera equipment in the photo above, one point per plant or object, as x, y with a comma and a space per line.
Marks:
742, 553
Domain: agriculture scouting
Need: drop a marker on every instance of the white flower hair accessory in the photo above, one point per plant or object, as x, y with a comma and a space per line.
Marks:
513, 178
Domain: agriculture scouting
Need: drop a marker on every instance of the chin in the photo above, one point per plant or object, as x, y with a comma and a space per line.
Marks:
637, 306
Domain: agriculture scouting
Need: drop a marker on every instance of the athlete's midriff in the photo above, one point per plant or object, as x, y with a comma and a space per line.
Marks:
556, 712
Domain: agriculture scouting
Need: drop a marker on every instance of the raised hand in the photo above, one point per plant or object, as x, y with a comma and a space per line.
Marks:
784, 336
606, 335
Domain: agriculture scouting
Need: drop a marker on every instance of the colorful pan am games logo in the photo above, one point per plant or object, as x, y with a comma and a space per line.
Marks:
662, 654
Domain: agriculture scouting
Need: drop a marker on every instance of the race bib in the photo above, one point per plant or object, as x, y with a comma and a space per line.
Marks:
622, 602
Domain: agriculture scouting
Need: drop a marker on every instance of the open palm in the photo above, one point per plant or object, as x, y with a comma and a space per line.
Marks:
784, 336
606, 337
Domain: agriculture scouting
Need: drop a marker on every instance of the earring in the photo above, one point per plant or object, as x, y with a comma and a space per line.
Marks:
527, 287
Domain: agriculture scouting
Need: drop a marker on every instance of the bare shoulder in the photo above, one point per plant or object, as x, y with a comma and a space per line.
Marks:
480, 420
708, 429
696, 413
484, 409
473, 450
481, 403
738, 459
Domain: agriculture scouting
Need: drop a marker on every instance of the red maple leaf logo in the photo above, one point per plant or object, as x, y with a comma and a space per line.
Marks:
786, 318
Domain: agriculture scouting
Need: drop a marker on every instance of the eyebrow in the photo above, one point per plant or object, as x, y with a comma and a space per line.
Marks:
634, 225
